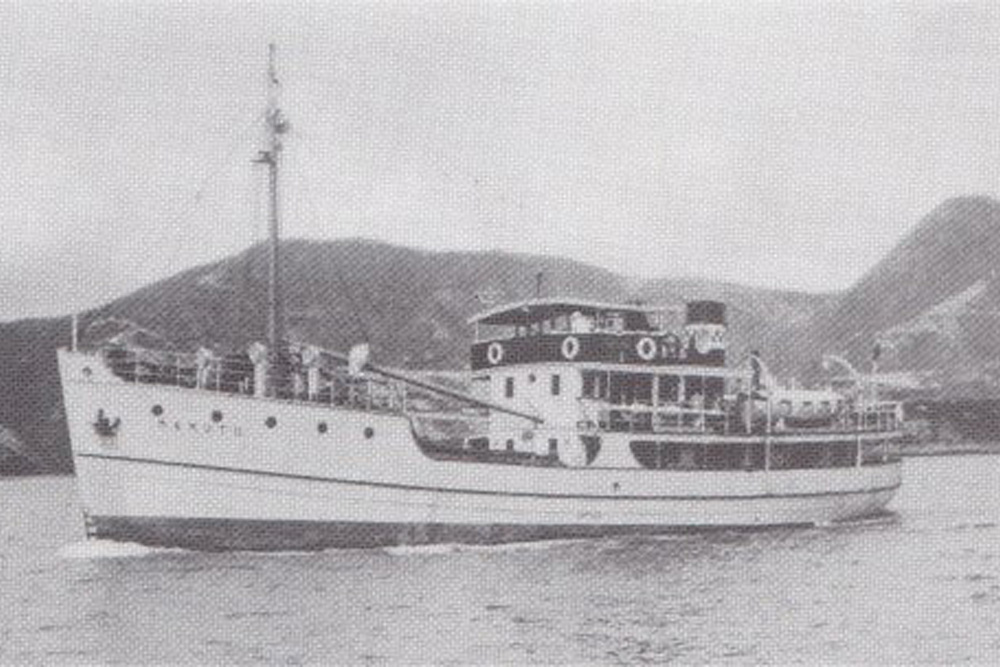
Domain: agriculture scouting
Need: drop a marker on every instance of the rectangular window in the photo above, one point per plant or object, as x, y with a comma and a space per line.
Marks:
593, 384
642, 388
509, 388
553, 447
556, 381
694, 389
620, 389
631, 388
715, 390
669, 389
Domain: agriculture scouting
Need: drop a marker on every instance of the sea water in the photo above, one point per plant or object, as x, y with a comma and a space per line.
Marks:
921, 584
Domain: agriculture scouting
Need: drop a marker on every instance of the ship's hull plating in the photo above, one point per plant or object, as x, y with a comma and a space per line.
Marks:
208, 472
165, 504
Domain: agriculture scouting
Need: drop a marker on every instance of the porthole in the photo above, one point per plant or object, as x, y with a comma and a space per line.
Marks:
322, 427
531, 378
369, 432
157, 410
216, 416
271, 422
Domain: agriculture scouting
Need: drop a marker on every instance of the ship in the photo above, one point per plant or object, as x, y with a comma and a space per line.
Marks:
580, 419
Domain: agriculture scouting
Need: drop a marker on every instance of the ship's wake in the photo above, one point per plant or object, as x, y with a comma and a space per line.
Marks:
99, 549
460, 548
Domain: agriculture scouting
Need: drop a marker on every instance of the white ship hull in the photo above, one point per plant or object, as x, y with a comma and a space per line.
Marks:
208, 472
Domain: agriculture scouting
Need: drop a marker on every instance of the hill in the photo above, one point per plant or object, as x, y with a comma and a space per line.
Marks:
411, 305
934, 302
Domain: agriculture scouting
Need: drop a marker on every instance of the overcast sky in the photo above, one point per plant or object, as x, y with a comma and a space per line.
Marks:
785, 144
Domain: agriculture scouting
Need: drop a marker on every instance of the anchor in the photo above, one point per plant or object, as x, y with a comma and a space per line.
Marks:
104, 427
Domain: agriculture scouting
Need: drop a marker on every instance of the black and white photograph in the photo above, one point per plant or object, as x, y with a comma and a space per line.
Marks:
499, 332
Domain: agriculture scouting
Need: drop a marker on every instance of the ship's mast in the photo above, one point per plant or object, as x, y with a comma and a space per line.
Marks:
276, 125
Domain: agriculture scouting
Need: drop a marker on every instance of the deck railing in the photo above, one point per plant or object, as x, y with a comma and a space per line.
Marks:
236, 374
642, 418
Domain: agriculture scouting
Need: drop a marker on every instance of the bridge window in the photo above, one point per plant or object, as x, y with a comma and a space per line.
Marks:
635, 321
555, 386
612, 322
580, 323
509, 388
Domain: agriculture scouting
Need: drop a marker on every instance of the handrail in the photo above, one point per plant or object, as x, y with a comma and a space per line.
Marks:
235, 375
882, 417
326, 380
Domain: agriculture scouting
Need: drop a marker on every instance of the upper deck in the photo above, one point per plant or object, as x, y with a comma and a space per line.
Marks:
567, 330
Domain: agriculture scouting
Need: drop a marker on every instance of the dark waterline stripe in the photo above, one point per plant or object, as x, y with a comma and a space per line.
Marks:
297, 535
431, 489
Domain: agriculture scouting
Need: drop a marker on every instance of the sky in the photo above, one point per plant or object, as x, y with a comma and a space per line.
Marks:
778, 144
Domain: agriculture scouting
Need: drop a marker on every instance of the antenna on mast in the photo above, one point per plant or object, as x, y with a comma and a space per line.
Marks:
276, 126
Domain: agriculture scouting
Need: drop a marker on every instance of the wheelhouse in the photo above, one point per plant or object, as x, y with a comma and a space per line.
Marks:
550, 331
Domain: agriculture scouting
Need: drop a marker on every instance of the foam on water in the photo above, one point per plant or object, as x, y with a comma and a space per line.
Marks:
452, 548
538, 545
93, 549
96, 549
422, 549
885, 518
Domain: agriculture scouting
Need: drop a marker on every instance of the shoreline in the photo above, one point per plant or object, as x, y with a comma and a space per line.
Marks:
965, 449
